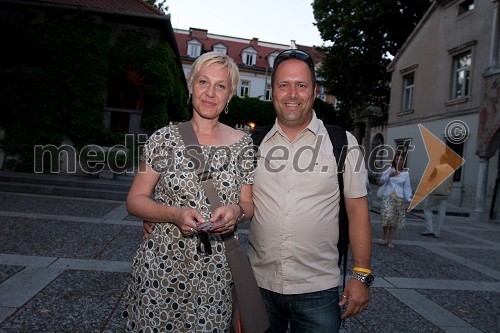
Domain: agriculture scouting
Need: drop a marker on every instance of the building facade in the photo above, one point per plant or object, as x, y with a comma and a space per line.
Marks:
92, 97
446, 78
254, 58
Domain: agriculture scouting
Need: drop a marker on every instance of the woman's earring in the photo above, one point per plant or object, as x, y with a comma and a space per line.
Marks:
189, 98
226, 109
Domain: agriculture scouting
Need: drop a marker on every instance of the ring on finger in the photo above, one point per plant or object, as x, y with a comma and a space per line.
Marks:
191, 230
344, 296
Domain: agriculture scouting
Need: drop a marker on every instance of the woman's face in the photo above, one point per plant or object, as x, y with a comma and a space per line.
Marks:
399, 162
211, 88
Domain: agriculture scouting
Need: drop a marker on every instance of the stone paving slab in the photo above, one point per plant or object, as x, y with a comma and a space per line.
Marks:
76, 301
51, 205
55, 238
478, 308
385, 314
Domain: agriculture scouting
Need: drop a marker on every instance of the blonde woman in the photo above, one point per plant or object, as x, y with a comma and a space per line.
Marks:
176, 284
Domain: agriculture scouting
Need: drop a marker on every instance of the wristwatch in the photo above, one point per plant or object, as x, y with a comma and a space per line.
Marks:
366, 279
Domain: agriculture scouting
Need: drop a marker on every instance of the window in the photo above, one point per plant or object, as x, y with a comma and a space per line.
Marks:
404, 146
461, 75
244, 88
457, 147
268, 92
194, 49
120, 122
126, 90
249, 56
220, 48
465, 7
408, 84
249, 59
271, 58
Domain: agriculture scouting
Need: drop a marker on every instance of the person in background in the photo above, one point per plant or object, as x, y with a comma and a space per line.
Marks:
294, 232
438, 198
176, 284
397, 192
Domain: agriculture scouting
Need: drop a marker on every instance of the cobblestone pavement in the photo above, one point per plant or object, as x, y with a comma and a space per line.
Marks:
65, 261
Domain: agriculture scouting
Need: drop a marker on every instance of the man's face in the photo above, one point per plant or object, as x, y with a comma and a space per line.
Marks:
293, 93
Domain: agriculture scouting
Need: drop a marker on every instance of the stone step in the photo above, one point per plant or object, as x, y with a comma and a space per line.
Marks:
62, 185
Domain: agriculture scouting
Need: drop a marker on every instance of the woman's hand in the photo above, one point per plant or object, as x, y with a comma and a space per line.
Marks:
394, 174
187, 220
225, 218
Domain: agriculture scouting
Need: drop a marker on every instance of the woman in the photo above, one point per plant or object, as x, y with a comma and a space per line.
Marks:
396, 192
174, 285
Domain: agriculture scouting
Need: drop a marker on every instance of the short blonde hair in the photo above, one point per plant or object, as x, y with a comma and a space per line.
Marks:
206, 59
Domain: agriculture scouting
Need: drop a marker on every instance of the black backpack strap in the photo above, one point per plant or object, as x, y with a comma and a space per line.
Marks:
338, 136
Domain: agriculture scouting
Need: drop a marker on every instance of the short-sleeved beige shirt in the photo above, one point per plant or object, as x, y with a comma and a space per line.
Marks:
294, 230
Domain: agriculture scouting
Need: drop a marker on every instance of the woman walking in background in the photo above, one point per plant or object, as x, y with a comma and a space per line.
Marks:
396, 192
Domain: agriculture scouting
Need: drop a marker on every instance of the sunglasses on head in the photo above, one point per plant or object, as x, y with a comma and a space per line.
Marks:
297, 54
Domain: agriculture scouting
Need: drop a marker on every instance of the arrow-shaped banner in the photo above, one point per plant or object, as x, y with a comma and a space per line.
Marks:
443, 162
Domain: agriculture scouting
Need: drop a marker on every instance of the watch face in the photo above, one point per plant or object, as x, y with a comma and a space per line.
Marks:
369, 279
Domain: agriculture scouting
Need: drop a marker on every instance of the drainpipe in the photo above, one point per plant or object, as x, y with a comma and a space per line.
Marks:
480, 213
494, 38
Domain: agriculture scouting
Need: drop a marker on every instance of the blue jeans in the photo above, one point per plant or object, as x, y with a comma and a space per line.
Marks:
316, 312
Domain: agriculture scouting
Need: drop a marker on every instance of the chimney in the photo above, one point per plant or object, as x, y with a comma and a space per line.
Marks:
198, 33
293, 46
254, 41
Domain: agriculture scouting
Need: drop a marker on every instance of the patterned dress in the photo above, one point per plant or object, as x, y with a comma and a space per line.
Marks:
173, 288
392, 211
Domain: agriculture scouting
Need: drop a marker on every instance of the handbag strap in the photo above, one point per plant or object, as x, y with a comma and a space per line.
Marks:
195, 153
247, 302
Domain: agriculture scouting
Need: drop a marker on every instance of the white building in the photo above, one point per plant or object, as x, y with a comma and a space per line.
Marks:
254, 58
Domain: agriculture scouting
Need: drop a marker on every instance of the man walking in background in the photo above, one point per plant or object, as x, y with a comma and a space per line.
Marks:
438, 198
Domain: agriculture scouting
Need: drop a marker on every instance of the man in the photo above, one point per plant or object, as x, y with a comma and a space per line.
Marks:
294, 230
439, 197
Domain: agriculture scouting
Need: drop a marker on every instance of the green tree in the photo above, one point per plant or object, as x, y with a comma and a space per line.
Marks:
365, 35
160, 4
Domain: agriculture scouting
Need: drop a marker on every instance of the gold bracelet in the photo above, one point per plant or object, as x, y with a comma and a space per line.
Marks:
362, 270
242, 215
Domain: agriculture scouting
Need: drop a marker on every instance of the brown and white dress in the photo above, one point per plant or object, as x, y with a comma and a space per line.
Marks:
173, 288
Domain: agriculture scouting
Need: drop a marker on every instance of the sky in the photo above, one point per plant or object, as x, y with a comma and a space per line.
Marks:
275, 21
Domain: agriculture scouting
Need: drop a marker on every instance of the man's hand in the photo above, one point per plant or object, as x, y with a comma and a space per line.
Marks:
147, 229
355, 296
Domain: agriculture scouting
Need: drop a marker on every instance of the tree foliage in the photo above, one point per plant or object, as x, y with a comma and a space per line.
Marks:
365, 35
248, 110
160, 4
54, 74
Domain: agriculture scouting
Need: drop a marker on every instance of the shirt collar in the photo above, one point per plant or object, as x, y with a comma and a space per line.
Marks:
313, 126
